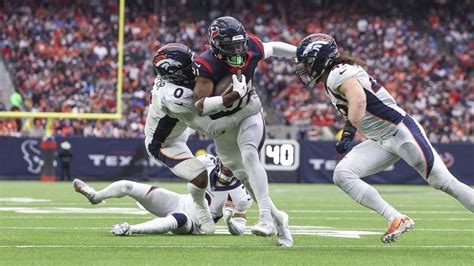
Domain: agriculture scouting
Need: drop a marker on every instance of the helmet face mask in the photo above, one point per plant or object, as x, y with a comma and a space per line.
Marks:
228, 40
313, 55
303, 71
224, 174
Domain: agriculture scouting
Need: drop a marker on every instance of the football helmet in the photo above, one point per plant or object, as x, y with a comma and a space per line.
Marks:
228, 40
224, 174
173, 62
313, 55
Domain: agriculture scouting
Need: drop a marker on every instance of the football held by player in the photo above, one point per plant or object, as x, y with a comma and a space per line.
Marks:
391, 133
233, 52
170, 112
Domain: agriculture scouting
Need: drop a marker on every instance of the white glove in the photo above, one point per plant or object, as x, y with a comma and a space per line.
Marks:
122, 229
227, 214
239, 86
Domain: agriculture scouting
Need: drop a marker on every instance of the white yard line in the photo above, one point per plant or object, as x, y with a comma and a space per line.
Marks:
237, 247
291, 218
308, 205
76, 217
294, 228
368, 211
371, 219
136, 211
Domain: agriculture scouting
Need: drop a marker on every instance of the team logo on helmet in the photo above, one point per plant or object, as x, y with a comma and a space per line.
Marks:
314, 46
214, 32
168, 64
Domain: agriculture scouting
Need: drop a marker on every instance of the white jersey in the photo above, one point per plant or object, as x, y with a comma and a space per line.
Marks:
176, 102
164, 202
161, 113
382, 114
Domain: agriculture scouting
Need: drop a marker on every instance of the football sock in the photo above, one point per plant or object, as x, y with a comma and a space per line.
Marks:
461, 192
121, 189
365, 194
258, 180
156, 226
273, 208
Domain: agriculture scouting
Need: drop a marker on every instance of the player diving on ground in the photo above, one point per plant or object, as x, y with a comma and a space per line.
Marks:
226, 197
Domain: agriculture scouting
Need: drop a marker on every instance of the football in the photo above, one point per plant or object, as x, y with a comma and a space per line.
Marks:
224, 86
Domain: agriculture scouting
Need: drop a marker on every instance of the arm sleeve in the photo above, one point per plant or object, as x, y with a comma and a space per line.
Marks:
212, 105
279, 49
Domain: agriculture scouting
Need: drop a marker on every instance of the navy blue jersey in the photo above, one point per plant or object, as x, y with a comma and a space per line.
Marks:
208, 66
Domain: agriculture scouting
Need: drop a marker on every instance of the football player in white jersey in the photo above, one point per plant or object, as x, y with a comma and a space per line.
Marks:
226, 197
233, 51
171, 111
391, 133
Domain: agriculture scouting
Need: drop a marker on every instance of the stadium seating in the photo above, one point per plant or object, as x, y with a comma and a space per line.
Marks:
64, 59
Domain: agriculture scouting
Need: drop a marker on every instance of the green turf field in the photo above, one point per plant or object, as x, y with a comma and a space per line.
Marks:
329, 228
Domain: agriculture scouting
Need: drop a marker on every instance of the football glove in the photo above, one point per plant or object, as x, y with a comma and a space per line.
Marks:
239, 86
348, 133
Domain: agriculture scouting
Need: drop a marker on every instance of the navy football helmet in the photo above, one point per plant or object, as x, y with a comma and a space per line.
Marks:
313, 55
173, 62
228, 40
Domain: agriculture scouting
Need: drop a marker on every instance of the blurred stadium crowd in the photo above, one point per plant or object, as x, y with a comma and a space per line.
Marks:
63, 57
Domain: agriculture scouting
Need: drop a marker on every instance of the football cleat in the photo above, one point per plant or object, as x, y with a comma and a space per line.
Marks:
263, 228
88, 192
122, 229
284, 238
397, 227
206, 222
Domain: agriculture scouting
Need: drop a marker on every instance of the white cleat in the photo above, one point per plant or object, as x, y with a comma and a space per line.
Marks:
284, 238
206, 222
263, 228
122, 229
88, 192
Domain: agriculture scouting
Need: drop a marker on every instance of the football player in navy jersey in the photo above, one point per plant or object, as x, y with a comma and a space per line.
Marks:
171, 114
234, 52
391, 133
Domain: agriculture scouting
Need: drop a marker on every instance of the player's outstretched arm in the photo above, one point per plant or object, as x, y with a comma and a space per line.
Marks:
207, 104
236, 222
279, 49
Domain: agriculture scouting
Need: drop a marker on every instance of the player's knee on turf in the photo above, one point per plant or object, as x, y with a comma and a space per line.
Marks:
201, 180
185, 224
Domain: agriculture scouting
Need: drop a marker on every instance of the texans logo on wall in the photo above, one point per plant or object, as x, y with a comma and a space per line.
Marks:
447, 158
